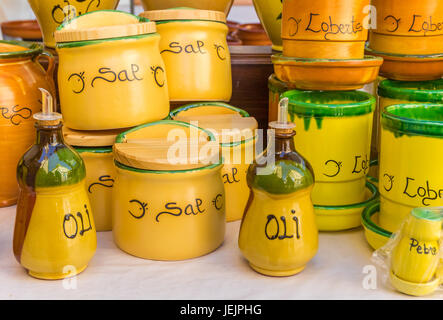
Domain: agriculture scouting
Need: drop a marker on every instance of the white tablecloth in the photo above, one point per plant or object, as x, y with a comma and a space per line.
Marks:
336, 272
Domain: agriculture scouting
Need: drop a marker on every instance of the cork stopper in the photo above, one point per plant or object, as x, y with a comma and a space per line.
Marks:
48, 116
184, 14
282, 125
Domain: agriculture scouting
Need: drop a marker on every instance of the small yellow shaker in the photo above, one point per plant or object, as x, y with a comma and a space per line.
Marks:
278, 234
416, 256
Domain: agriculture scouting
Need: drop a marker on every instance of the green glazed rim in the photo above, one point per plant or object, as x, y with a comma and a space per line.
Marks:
33, 49
366, 215
315, 103
402, 119
120, 138
93, 149
374, 196
242, 112
279, 58
400, 55
428, 213
419, 91
82, 43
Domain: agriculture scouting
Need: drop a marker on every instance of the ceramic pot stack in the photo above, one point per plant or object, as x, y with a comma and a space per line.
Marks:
408, 121
323, 65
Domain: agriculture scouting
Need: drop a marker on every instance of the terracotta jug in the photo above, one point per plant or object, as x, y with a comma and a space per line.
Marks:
20, 77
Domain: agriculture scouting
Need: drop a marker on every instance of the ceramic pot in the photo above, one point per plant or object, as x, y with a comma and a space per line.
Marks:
216, 5
235, 154
196, 54
341, 125
376, 236
410, 173
166, 214
52, 13
270, 15
324, 29
412, 28
115, 81
20, 77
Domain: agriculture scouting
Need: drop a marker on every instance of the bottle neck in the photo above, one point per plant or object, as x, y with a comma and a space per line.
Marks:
49, 135
284, 141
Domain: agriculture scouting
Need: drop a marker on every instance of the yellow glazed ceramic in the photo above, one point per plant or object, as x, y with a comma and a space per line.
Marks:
335, 137
416, 255
194, 47
337, 218
54, 234
167, 214
413, 27
270, 14
376, 236
278, 233
217, 5
95, 148
52, 13
410, 161
237, 155
110, 76
392, 92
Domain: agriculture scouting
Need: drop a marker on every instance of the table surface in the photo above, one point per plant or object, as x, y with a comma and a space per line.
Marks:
336, 272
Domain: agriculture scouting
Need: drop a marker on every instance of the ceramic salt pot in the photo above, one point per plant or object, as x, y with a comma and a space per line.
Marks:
52, 13
168, 197
20, 77
324, 29
416, 256
278, 233
111, 74
95, 148
54, 235
194, 47
236, 132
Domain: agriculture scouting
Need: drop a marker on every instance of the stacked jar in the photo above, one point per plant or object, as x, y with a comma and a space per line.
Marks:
198, 67
409, 117
111, 78
323, 60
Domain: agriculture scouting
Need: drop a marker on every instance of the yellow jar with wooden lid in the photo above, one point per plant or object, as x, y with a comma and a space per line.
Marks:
52, 13
196, 54
111, 74
236, 132
95, 148
168, 197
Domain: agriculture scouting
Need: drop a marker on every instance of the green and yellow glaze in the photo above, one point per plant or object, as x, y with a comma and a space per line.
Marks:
376, 236
54, 234
410, 161
335, 137
278, 233
233, 174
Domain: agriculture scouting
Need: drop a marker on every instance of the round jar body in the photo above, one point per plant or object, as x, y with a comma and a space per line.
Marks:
414, 28
270, 13
163, 215
324, 29
100, 176
197, 59
20, 98
112, 83
410, 175
338, 148
52, 13
278, 234
63, 244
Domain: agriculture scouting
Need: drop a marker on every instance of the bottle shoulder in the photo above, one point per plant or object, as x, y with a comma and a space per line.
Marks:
50, 166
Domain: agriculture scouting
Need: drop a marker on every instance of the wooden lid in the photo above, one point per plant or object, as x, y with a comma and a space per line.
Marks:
103, 25
147, 147
184, 14
76, 138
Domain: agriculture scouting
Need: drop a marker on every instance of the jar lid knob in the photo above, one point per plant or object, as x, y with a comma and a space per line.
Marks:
48, 116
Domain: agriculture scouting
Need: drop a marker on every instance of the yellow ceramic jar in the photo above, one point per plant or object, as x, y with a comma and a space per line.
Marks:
270, 14
334, 135
410, 161
237, 155
167, 214
95, 148
52, 13
194, 47
111, 76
